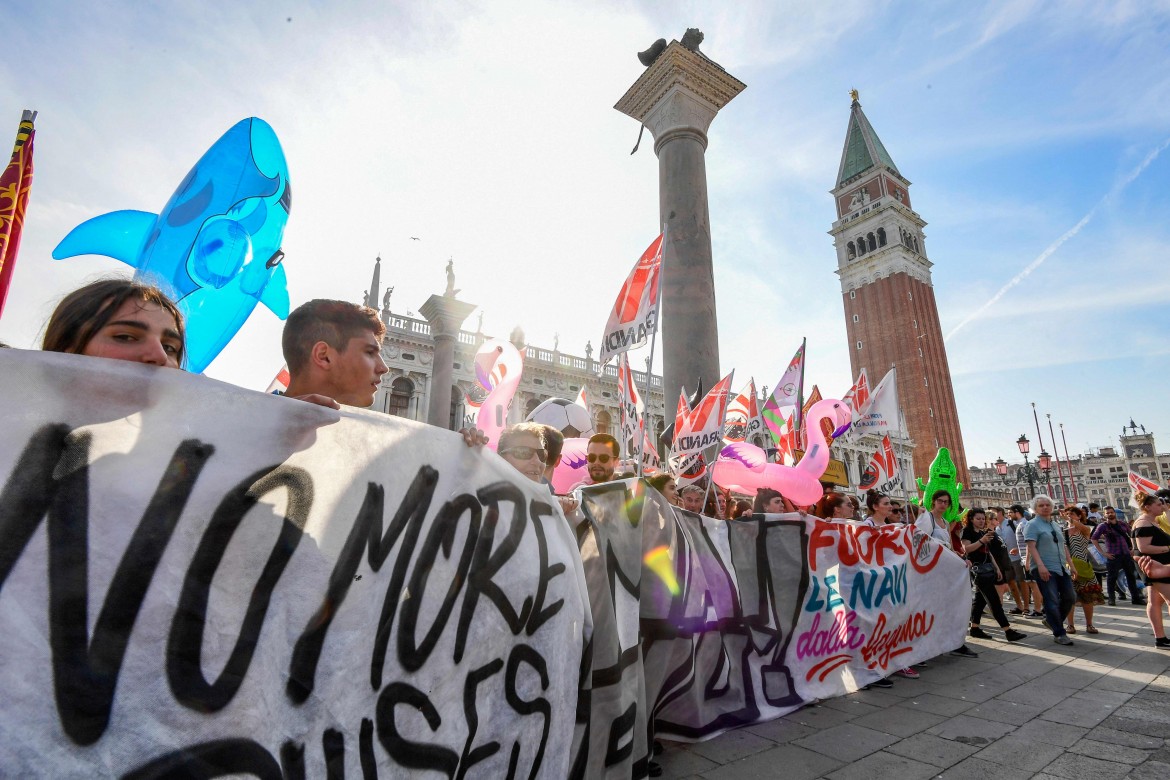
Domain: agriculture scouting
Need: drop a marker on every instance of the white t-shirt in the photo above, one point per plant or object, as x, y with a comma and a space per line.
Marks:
925, 523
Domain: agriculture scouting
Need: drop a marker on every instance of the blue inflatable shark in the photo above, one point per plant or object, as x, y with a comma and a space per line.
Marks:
215, 247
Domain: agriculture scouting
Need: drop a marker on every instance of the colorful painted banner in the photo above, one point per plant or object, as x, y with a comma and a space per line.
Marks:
202, 580
727, 642
635, 313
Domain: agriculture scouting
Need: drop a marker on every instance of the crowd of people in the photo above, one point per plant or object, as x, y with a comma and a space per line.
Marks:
1047, 561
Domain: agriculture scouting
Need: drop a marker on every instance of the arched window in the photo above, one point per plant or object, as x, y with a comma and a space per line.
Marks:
881, 234
860, 245
530, 407
603, 422
852, 250
871, 241
456, 421
398, 402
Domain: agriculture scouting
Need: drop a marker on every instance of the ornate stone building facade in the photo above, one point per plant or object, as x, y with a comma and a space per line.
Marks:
408, 351
890, 312
1100, 475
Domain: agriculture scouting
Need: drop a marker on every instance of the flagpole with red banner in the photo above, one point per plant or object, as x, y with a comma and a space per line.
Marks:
650, 368
15, 183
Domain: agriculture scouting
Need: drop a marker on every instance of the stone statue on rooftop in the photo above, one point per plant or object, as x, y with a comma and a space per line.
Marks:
450, 292
386, 298
692, 38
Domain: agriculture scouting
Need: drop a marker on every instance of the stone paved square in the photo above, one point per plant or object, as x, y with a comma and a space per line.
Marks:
1098, 711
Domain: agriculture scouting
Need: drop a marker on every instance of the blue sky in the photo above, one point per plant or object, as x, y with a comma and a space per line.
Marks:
487, 129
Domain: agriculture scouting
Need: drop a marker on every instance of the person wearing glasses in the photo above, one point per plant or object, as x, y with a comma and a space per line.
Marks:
602, 456
525, 448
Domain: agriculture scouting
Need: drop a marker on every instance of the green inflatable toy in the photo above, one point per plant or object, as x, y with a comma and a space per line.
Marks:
942, 477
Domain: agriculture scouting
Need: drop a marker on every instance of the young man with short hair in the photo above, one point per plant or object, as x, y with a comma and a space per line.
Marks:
333, 350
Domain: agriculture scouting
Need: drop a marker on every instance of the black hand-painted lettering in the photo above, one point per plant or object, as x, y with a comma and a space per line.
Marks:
541, 615
366, 750
525, 654
472, 756
412, 755
333, 746
441, 535
209, 760
85, 671
292, 760
27, 494
488, 561
410, 516
185, 643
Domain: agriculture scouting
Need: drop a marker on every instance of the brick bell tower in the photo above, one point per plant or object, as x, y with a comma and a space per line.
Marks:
890, 311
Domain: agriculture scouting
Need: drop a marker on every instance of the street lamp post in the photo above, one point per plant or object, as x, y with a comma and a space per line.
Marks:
1026, 473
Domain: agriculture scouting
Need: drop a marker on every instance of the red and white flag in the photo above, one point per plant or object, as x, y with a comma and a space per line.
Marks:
882, 473
703, 425
881, 414
1139, 483
582, 401
629, 403
858, 396
743, 416
687, 469
280, 383
635, 313
651, 463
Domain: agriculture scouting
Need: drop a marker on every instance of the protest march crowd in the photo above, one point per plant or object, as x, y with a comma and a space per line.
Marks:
1046, 562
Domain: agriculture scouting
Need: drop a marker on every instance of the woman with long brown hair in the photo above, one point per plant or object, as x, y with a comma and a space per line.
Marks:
119, 319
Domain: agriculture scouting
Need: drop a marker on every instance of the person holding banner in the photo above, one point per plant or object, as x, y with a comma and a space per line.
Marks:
333, 350
665, 484
834, 507
119, 319
934, 525
981, 542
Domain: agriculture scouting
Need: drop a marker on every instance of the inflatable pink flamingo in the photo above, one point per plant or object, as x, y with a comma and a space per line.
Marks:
498, 365
744, 468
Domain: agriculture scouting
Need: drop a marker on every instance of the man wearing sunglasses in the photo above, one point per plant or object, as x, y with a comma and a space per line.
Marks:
602, 456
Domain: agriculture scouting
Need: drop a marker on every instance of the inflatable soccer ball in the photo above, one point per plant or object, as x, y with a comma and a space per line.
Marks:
568, 418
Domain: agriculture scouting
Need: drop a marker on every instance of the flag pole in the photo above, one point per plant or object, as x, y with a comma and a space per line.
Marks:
1068, 462
650, 367
800, 389
1060, 474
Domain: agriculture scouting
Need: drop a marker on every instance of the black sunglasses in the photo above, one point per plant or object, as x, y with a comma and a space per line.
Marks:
524, 453
602, 458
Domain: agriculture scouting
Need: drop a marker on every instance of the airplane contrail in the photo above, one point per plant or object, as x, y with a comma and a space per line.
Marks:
1071, 232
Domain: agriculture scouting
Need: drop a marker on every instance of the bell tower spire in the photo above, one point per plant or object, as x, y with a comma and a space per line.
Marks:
890, 311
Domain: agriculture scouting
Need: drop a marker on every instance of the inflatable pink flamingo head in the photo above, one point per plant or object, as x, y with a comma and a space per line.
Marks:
839, 415
498, 365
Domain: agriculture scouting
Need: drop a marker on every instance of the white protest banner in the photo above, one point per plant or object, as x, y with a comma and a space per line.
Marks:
727, 643
631, 406
199, 580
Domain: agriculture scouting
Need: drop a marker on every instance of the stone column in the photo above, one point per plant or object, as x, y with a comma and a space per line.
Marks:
676, 99
445, 315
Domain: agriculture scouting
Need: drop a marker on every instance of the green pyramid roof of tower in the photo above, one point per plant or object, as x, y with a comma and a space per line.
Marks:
863, 148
